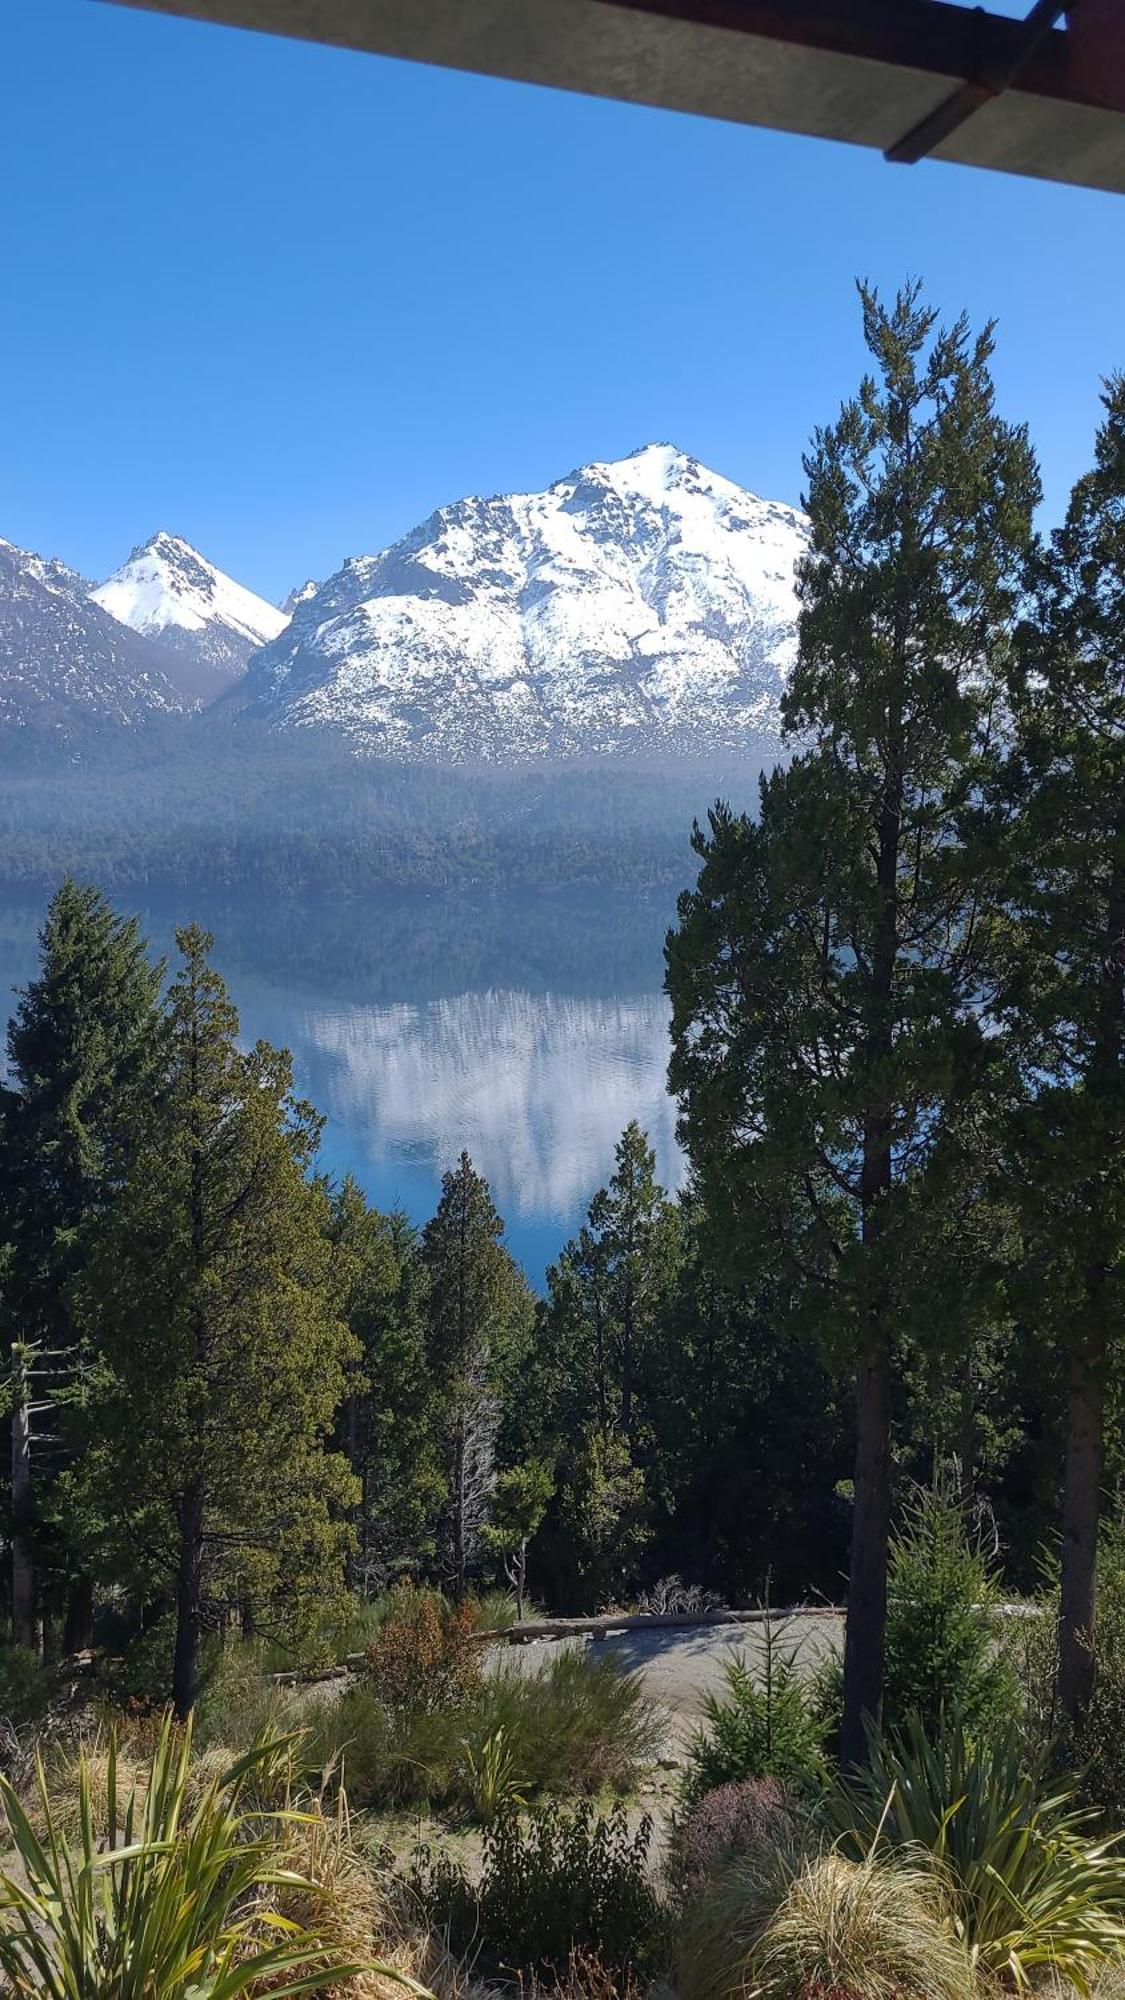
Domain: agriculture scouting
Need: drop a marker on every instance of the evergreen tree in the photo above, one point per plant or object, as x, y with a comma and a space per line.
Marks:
826, 972
1065, 1003
478, 1313
519, 1502
388, 1423
749, 1437
81, 1054
607, 1290
210, 1290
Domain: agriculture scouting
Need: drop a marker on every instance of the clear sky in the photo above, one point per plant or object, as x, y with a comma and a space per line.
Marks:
285, 300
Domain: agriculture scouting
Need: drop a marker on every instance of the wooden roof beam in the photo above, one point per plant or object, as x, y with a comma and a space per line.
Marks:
953, 81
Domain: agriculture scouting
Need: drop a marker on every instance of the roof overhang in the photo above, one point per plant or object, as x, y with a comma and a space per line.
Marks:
909, 77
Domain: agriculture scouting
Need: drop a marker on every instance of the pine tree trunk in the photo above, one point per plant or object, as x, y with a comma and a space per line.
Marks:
867, 1583
23, 1575
1080, 1512
459, 1557
871, 1514
627, 1366
1085, 1413
189, 1602
78, 1632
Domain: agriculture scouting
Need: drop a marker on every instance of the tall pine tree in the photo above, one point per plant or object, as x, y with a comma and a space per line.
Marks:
1066, 1000
388, 1427
478, 1313
224, 1359
826, 971
81, 1056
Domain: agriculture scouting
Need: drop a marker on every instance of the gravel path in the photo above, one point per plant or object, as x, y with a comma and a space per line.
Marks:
679, 1667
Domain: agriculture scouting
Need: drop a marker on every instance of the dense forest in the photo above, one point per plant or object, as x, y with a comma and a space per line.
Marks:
872, 1354
212, 804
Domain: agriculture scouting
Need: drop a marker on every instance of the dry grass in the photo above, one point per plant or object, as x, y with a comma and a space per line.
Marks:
360, 1912
772, 1929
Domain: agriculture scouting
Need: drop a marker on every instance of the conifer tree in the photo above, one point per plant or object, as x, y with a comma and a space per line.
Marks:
606, 1292
81, 1056
478, 1314
211, 1291
389, 1420
1065, 1002
826, 972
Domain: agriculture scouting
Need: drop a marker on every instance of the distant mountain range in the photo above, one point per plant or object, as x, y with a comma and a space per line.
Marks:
645, 605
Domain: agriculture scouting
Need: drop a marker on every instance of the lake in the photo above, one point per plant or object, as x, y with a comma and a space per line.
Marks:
528, 1031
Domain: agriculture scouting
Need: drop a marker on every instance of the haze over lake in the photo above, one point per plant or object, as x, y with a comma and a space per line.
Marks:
527, 1030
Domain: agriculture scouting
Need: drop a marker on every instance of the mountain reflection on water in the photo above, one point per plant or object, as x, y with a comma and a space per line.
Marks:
526, 1031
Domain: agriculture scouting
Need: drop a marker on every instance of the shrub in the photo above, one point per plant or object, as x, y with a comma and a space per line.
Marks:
425, 1655
764, 1727
564, 1882
726, 1824
941, 1617
334, 1889
1032, 1889
239, 1703
24, 1687
826, 1928
177, 1903
492, 1780
578, 1725
1097, 1746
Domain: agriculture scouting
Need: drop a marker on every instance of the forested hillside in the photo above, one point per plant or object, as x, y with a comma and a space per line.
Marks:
209, 806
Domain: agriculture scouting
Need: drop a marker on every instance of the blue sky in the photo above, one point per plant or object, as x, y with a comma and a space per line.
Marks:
285, 300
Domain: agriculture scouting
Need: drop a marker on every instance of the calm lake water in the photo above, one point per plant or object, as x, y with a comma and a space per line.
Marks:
526, 1031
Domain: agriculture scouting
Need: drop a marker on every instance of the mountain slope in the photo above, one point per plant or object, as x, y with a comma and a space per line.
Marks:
66, 666
171, 593
642, 605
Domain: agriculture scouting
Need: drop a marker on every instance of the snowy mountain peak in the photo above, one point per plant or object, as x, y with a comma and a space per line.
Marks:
638, 604
67, 665
169, 591
299, 596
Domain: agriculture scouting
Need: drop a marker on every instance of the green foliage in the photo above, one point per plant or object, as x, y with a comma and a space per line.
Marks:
942, 1651
763, 1727
238, 1703
1033, 1888
1093, 1748
599, 1527
177, 1903
1097, 1745
1062, 998
575, 1726
388, 1423
492, 1779
829, 1052
82, 1054
560, 1883
223, 1356
519, 1502
478, 1314
749, 1433
24, 1687
782, 1927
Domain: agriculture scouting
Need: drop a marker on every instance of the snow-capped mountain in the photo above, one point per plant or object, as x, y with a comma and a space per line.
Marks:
646, 604
169, 592
66, 664
299, 596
